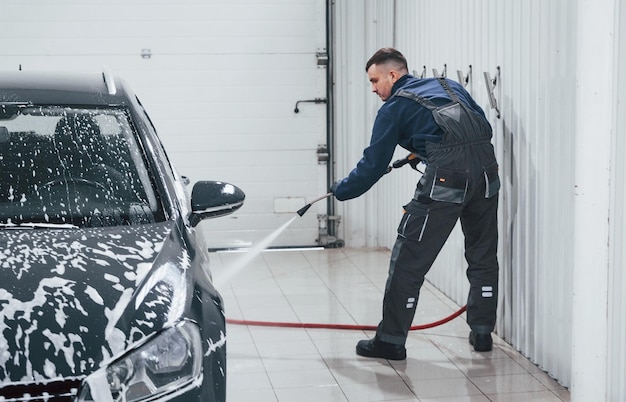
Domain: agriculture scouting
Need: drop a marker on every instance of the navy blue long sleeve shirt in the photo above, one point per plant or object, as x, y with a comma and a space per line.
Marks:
404, 122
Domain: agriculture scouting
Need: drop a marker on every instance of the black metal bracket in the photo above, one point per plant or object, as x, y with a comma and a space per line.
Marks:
316, 100
444, 74
491, 85
465, 80
421, 75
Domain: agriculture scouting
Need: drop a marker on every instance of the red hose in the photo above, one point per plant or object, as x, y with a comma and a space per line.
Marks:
339, 326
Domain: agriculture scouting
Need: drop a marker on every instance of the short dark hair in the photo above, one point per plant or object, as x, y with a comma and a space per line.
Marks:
387, 55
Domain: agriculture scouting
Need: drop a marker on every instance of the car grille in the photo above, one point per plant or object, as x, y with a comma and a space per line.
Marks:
53, 391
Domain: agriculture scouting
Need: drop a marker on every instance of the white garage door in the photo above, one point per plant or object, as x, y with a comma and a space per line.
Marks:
220, 79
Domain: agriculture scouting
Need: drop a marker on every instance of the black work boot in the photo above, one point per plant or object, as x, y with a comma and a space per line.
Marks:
481, 342
375, 348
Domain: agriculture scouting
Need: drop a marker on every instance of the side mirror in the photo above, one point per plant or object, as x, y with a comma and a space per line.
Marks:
212, 199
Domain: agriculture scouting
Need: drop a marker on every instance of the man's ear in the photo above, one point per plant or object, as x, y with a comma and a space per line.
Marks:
395, 76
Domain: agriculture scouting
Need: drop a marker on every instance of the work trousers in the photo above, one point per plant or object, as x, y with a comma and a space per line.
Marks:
469, 195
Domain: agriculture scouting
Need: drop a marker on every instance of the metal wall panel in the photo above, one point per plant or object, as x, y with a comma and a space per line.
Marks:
617, 275
533, 44
359, 27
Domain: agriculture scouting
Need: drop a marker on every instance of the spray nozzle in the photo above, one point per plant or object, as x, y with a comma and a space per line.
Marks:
305, 208
302, 210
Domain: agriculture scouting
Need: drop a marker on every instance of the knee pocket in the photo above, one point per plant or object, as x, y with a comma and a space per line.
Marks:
413, 223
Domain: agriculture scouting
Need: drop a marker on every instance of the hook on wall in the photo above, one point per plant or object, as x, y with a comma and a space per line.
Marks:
465, 80
422, 75
491, 84
443, 74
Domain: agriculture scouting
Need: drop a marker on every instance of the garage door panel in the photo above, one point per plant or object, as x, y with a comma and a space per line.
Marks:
260, 222
273, 189
266, 142
219, 79
262, 90
196, 127
257, 210
111, 11
146, 30
202, 63
275, 181
276, 113
230, 110
202, 79
267, 174
271, 158
300, 148
269, 183
166, 46
61, 63
174, 71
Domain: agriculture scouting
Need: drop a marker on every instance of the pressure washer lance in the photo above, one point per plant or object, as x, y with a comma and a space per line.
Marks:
397, 164
305, 208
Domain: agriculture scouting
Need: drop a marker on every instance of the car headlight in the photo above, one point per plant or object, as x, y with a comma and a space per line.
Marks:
162, 365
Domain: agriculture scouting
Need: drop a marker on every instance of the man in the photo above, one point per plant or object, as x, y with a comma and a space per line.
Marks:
437, 120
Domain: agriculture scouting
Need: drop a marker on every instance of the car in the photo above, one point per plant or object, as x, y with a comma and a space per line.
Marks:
105, 287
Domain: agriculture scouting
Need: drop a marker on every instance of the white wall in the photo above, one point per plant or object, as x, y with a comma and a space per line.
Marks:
616, 365
552, 78
220, 81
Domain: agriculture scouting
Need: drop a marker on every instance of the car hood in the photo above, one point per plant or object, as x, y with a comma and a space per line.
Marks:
72, 299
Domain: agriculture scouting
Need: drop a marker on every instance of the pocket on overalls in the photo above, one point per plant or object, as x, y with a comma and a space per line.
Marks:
492, 180
449, 185
413, 223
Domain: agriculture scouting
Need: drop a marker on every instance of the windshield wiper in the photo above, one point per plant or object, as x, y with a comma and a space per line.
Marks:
32, 225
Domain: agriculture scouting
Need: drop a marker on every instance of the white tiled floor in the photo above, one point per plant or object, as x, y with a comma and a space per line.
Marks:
344, 286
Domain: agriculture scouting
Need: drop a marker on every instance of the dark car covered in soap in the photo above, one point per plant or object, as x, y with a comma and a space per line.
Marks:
105, 288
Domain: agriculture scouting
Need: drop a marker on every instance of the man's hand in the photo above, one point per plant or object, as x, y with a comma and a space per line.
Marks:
414, 160
411, 159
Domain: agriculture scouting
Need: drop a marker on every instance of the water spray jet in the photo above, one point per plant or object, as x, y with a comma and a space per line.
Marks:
305, 208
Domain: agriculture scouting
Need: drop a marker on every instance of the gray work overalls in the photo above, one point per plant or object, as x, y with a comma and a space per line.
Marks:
460, 182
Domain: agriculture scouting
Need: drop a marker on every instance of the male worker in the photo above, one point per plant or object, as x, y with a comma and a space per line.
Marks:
436, 119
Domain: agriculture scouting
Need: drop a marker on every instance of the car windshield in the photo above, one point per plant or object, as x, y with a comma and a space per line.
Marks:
72, 166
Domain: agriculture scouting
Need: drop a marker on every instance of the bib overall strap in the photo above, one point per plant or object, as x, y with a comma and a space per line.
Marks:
422, 101
449, 91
